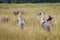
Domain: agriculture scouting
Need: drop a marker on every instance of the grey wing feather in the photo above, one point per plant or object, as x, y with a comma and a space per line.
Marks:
46, 26
22, 24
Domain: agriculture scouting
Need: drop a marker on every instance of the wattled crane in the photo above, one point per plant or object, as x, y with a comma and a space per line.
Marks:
21, 22
44, 24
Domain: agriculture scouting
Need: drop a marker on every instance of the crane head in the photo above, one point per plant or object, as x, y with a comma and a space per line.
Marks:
41, 13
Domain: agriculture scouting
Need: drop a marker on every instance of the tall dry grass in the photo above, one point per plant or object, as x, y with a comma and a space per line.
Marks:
33, 29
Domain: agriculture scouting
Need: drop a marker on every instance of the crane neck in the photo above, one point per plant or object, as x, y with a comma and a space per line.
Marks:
19, 18
42, 18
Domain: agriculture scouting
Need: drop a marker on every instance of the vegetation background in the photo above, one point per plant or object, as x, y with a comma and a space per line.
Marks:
32, 29
29, 1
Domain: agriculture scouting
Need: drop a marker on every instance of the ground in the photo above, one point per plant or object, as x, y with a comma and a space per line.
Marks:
33, 29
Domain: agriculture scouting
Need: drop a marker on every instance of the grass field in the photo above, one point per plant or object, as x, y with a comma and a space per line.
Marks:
33, 29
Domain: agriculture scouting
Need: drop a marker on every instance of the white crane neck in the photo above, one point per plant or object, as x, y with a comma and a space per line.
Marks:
42, 18
19, 18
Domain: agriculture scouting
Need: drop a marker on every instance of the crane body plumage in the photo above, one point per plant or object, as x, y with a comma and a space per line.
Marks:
20, 21
44, 24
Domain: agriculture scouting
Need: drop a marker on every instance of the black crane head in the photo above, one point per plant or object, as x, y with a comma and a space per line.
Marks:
16, 13
41, 13
50, 16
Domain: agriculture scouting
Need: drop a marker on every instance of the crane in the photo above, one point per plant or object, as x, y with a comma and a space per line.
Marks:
44, 24
21, 22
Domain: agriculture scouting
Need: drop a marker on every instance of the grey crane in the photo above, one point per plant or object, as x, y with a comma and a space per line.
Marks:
44, 24
21, 22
